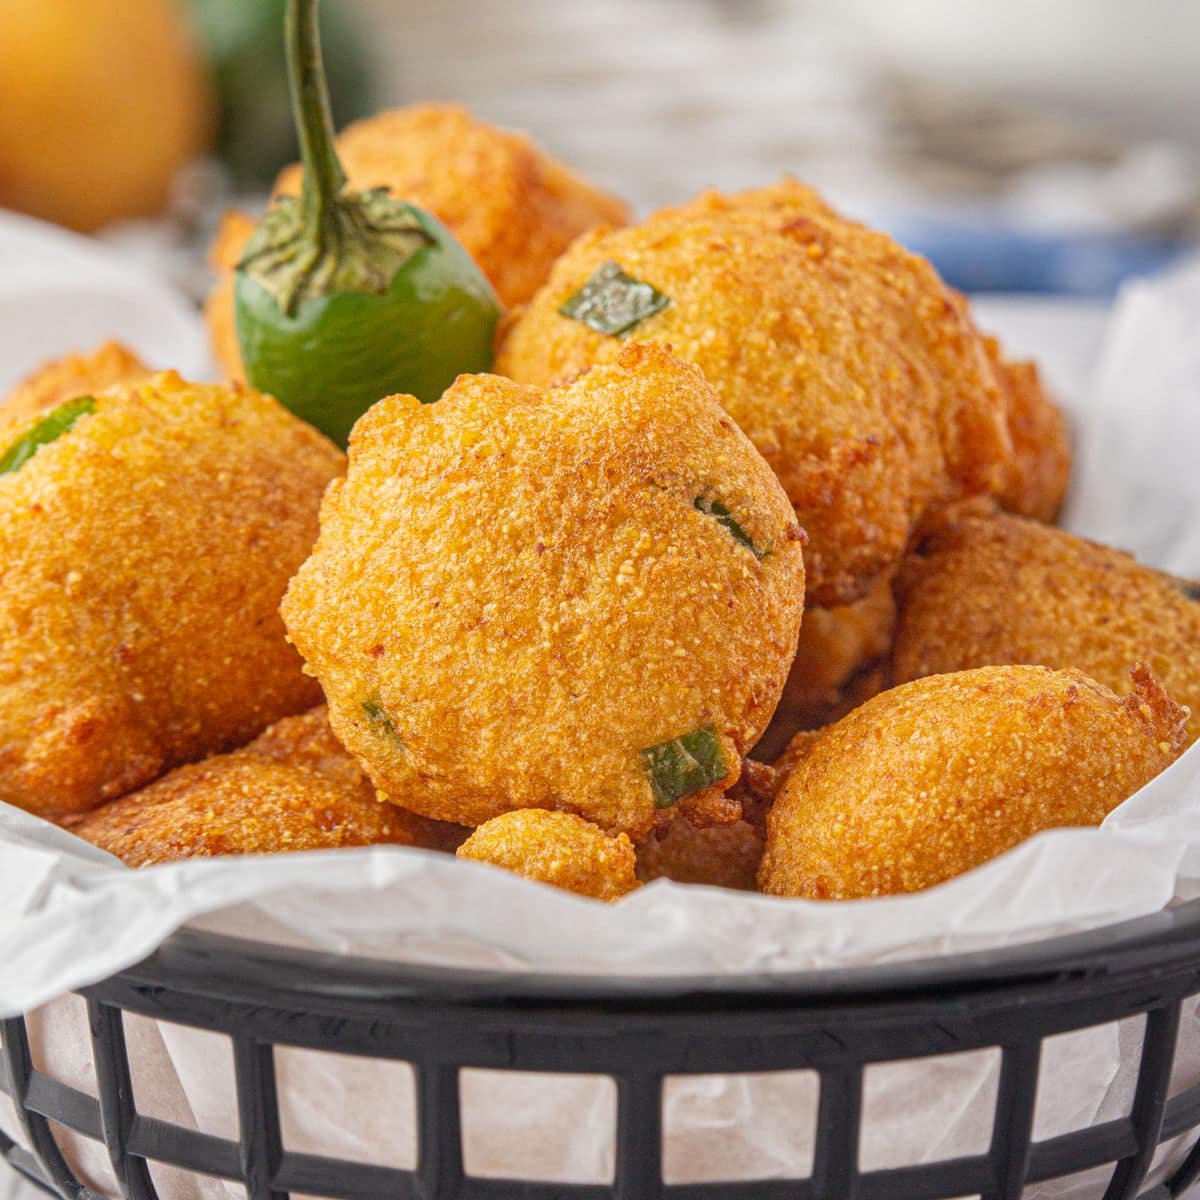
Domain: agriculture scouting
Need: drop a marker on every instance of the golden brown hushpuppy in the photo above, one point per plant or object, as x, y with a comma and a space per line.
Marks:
557, 848
584, 599
1035, 482
720, 856
855, 371
989, 592
148, 535
294, 788
933, 778
837, 666
55, 382
308, 741
512, 206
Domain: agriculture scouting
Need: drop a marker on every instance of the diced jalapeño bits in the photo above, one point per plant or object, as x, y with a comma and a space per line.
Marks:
376, 714
724, 518
613, 302
683, 765
48, 429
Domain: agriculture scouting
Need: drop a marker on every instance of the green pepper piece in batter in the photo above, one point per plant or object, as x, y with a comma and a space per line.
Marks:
683, 765
344, 297
721, 514
51, 427
613, 302
378, 719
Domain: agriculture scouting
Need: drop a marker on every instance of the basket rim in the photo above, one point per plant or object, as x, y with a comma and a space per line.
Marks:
242, 969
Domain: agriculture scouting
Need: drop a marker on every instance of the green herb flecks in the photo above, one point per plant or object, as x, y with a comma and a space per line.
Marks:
724, 518
376, 714
683, 765
50, 428
613, 302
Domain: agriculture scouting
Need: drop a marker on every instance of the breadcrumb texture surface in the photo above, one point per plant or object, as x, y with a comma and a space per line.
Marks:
514, 594
935, 777
146, 551
989, 592
560, 849
719, 856
64, 379
855, 371
294, 788
513, 207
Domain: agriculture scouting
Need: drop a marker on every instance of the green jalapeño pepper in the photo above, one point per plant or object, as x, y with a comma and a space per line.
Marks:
344, 297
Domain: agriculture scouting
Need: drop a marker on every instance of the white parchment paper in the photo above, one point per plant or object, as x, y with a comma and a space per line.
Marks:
70, 915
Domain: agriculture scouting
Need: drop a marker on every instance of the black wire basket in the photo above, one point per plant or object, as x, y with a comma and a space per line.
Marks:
637, 1032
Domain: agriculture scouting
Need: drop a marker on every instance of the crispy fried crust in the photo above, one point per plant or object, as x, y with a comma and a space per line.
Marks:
723, 856
308, 741
514, 594
935, 777
1035, 482
560, 849
1006, 590
294, 788
793, 752
54, 383
855, 371
512, 206
838, 666
146, 551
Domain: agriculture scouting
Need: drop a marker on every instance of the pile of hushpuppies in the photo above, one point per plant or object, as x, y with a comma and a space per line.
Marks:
739, 570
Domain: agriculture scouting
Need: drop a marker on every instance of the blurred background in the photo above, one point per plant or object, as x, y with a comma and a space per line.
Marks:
1024, 145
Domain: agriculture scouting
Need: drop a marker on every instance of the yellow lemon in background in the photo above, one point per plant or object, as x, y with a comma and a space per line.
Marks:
101, 102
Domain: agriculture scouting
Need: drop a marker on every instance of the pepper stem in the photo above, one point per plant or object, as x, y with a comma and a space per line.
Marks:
323, 177
330, 240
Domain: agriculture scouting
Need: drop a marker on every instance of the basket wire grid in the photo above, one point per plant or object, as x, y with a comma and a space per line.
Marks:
636, 1032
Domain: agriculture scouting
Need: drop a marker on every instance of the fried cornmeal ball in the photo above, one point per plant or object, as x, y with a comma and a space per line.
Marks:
293, 789
557, 848
1035, 482
720, 856
147, 534
512, 206
849, 364
53, 383
583, 599
308, 741
1007, 590
933, 778
837, 665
